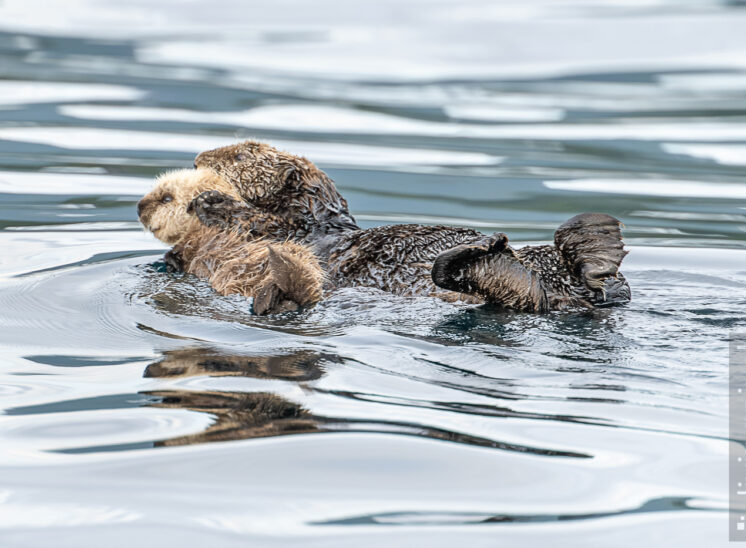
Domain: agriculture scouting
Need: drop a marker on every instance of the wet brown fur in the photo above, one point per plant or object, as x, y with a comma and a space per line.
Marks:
580, 270
287, 195
285, 272
279, 275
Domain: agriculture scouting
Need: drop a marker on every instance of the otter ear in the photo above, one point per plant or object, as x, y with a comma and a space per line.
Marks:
287, 172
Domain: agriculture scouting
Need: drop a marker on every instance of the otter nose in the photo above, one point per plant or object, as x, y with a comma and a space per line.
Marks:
140, 207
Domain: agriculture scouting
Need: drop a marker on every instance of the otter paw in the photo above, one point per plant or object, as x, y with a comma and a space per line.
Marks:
489, 245
213, 208
449, 267
495, 243
174, 261
270, 299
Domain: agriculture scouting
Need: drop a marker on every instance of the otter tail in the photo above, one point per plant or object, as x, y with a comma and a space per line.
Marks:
490, 269
591, 244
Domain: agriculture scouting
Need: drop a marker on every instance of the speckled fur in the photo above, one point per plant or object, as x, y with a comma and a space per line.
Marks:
287, 198
233, 265
279, 275
287, 195
395, 258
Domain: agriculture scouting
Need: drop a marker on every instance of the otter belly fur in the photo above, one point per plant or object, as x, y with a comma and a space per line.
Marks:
279, 275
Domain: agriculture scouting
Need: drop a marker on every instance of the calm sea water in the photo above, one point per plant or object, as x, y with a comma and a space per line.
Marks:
139, 408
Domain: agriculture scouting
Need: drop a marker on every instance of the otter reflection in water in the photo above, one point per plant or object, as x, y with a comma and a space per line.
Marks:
304, 365
238, 415
245, 415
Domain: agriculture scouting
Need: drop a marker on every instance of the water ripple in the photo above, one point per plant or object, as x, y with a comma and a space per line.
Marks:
137, 400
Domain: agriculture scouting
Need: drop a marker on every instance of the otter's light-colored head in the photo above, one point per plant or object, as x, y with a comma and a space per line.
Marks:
164, 210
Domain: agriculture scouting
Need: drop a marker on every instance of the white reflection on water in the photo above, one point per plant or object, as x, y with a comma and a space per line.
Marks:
654, 187
337, 120
23, 93
727, 154
332, 153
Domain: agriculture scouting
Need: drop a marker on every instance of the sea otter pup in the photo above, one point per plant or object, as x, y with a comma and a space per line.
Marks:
580, 270
280, 276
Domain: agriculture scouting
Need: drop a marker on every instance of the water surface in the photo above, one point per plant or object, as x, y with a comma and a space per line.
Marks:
139, 407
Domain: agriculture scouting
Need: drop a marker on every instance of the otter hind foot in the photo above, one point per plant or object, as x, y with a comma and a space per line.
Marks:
592, 246
490, 269
448, 269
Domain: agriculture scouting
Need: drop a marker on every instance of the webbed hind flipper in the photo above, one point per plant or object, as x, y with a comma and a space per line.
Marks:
490, 269
591, 244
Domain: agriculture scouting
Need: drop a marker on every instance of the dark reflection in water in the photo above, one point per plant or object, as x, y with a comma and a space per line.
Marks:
477, 410
662, 504
245, 415
238, 415
242, 415
592, 333
303, 365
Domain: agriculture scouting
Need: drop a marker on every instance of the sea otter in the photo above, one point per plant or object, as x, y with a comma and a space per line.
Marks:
280, 275
285, 196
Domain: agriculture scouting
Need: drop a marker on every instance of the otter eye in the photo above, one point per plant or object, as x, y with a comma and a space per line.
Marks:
240, 157
167, 198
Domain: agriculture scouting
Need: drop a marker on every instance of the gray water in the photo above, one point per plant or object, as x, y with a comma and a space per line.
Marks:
139, 408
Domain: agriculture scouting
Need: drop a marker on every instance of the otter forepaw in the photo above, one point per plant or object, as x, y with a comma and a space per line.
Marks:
270, 299
449, 266
174, 261
497, 242
214, 208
